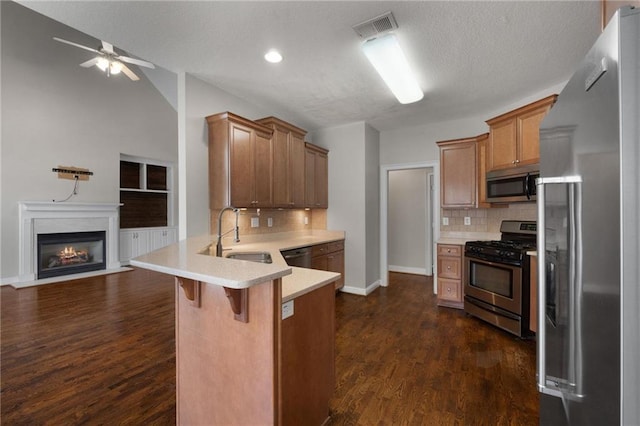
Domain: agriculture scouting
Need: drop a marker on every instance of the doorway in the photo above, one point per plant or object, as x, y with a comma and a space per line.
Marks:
409, 210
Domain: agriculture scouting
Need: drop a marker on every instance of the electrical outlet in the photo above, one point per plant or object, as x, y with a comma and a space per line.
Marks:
269, 222
255, 222
445, 221
467, 220
287, 309
306, 220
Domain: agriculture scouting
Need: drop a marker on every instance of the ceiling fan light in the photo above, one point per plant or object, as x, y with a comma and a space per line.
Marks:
116, 67
387, 58
102, 63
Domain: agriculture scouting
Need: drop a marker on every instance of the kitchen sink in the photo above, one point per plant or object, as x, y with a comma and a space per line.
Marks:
255, 256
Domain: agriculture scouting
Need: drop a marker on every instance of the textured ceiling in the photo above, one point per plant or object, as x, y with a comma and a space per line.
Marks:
469, 57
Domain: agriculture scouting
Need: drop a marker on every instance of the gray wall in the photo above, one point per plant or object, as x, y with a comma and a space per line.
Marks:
372, 203
353, 204
57, 113
202, 100
407, 226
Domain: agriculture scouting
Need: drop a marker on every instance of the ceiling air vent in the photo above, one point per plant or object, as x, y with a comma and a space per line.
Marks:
376, 26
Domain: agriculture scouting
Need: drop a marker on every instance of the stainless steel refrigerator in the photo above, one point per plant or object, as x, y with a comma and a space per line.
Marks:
588, 219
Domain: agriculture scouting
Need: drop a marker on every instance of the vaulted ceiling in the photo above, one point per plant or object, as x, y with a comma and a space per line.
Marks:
469, 56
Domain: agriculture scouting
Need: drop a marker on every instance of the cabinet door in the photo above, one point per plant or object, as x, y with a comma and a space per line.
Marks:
335, 263
281, 168
320, 262
126, 246
529, 137
296, 164
458, 172
502, 145
242, 171
310, 178
263, 172
449, 290
321, 181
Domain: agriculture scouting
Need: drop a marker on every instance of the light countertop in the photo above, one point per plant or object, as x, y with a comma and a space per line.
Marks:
190, 259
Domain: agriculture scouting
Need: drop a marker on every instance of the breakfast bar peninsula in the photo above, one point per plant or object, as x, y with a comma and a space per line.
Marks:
254, 341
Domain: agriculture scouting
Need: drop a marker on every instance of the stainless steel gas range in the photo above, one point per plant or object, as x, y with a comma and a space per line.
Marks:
496, 277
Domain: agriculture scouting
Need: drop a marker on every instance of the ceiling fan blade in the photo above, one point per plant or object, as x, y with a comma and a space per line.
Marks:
135, 61
76, 45
90, 63
129, 73
107, 47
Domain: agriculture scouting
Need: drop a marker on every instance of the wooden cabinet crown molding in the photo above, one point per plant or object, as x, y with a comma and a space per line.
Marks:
276, 122
239, 120
544, 102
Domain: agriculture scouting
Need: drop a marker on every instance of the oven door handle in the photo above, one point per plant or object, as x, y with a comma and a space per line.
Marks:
571, 386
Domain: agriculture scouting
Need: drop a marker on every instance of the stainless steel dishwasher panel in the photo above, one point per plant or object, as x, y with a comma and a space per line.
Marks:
300, 257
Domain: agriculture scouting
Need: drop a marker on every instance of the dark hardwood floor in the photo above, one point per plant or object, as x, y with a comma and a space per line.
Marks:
101, 351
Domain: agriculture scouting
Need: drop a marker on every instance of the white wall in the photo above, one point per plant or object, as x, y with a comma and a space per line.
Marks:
353, 206
417, 144
407, 221
372, 203
202, 100
57, 113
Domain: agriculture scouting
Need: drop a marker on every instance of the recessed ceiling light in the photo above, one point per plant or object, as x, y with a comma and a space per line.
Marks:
273, 56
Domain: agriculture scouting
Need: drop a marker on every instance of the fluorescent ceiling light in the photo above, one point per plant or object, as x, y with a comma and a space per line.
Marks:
273, 56
387, 58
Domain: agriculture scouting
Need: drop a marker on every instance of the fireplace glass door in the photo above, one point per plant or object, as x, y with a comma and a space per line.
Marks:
70, 253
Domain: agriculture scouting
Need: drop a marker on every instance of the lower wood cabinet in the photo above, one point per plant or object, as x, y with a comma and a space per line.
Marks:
308, 358
450, 290
135, 242
329, 257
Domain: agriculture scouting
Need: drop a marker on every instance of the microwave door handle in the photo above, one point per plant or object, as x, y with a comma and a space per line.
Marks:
545, 385
527, 186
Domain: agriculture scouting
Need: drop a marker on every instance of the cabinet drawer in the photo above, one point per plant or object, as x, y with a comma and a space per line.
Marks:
335, 246
449, 250
450, 267
319, 250
449, 290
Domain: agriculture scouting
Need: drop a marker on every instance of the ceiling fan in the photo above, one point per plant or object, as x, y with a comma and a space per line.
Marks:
108, 60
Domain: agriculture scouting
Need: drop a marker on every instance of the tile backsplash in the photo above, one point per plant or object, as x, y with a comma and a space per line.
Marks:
281, 221
486, 220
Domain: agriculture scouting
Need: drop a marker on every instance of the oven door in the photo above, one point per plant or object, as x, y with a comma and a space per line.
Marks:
496, 284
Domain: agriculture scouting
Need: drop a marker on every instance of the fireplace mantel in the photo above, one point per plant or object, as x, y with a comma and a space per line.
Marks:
46, 217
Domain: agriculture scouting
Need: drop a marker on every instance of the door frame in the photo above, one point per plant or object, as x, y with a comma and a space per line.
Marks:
384, 200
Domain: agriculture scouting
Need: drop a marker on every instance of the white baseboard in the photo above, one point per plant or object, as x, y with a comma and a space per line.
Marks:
8, 280
24, 284
407, 270
361, 291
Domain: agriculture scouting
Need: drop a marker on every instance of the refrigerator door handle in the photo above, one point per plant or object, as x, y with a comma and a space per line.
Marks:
571, 386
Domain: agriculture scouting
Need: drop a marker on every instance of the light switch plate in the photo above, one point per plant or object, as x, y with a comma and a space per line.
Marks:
287, 309
255, 222
269, 222
445, 221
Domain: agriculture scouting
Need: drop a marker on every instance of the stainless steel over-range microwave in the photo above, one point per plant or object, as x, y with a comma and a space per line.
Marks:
512, 185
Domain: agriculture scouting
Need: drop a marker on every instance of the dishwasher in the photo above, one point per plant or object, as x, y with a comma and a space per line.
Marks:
300, 257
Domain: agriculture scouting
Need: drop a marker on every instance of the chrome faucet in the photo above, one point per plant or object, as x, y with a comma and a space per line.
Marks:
221, 234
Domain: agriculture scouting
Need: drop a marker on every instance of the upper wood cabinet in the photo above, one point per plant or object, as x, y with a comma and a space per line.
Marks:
514, 138
288, 162
316, 165
240, 162
462, 172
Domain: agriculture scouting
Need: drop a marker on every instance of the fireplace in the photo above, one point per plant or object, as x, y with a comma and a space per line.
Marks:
65, 253
41, 219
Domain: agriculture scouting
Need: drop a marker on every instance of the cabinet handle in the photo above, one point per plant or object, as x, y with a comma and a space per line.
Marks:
449, 267
448, 250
